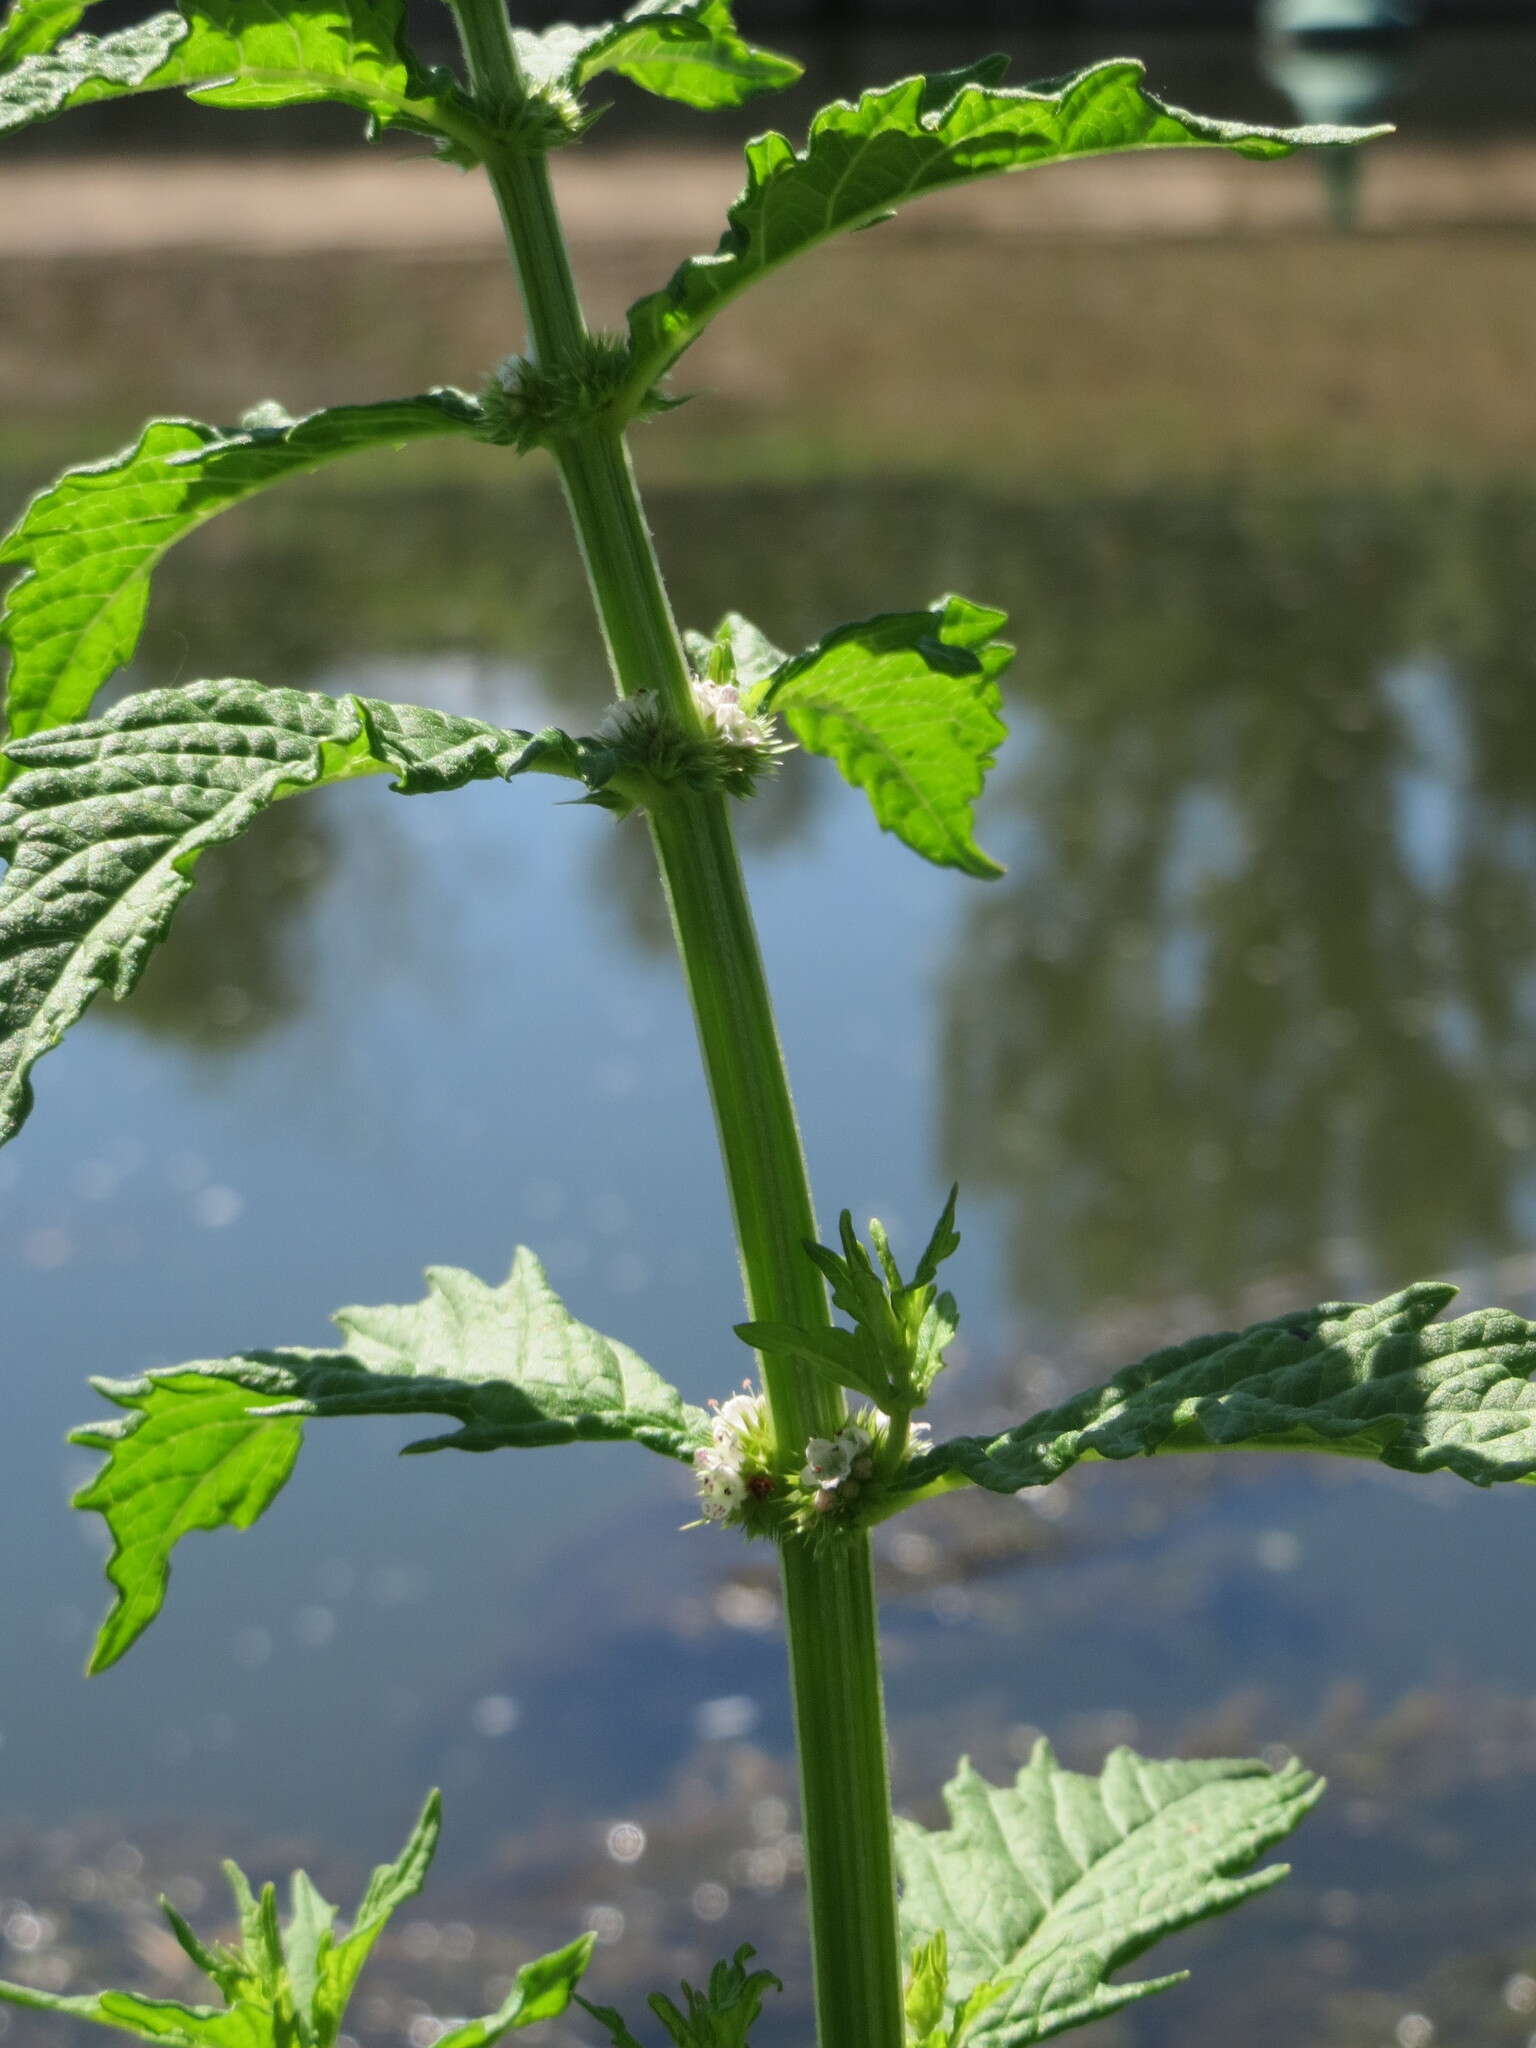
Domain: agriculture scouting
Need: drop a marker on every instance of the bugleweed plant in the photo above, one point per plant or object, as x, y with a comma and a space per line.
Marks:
1011, 1921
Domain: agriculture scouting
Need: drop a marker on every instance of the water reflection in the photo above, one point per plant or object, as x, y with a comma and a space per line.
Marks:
1257, 995
243, 956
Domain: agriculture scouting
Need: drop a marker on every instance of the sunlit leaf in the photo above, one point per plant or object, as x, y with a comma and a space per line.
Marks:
245, 53
541, 1990
188, 1458
1384, 1382
908, 706
209, 1445
686, 50
29, 27
104, 829
89, 544
863, 160
1045, 1887
338, 1963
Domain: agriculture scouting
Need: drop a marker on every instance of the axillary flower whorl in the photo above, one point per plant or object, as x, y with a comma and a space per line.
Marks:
735, 750
734, 1469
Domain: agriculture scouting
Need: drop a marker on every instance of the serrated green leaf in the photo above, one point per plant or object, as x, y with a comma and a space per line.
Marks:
908, 706
1384, 1382
542, 1990
685, 50
31, 26
156, 2019
105, 827
187, 1459
88, 544
1045, 1887
390, 1886
209, 1445
863, 160
247, 53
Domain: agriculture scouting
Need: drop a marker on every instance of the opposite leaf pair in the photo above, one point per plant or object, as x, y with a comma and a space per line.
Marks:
211, 1444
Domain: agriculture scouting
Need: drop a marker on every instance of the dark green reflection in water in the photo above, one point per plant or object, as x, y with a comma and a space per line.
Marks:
1261, 978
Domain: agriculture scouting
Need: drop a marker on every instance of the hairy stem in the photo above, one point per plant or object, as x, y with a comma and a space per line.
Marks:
829, 1595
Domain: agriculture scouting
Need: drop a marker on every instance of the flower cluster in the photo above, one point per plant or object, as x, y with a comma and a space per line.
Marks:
720, 707
732, 1468
848, 1471
837, 1466
734, 749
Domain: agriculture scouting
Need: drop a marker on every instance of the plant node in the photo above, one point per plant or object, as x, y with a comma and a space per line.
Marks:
531, 405
847, 1478
652, 751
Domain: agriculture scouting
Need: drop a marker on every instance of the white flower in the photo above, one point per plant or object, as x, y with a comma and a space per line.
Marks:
827, 1460
737, 1420
733, 1457
724, 714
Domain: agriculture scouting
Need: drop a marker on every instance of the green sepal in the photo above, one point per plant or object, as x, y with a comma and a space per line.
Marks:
1385, 1382
864, 159
1044, 1888
89, 543
105, 828
894, 1352
210, 1445
686, 50
245, 53
719, 2016
908, 706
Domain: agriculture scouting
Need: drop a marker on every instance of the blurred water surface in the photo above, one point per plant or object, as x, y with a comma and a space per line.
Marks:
1251, 1023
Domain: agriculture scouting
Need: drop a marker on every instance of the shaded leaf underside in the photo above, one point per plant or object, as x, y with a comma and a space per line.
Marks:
1048, 1885
209, 1445
862, 160
105, 827
1384, 1382
89, 543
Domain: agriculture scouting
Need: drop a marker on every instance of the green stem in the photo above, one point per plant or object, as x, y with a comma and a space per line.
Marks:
829, 1593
